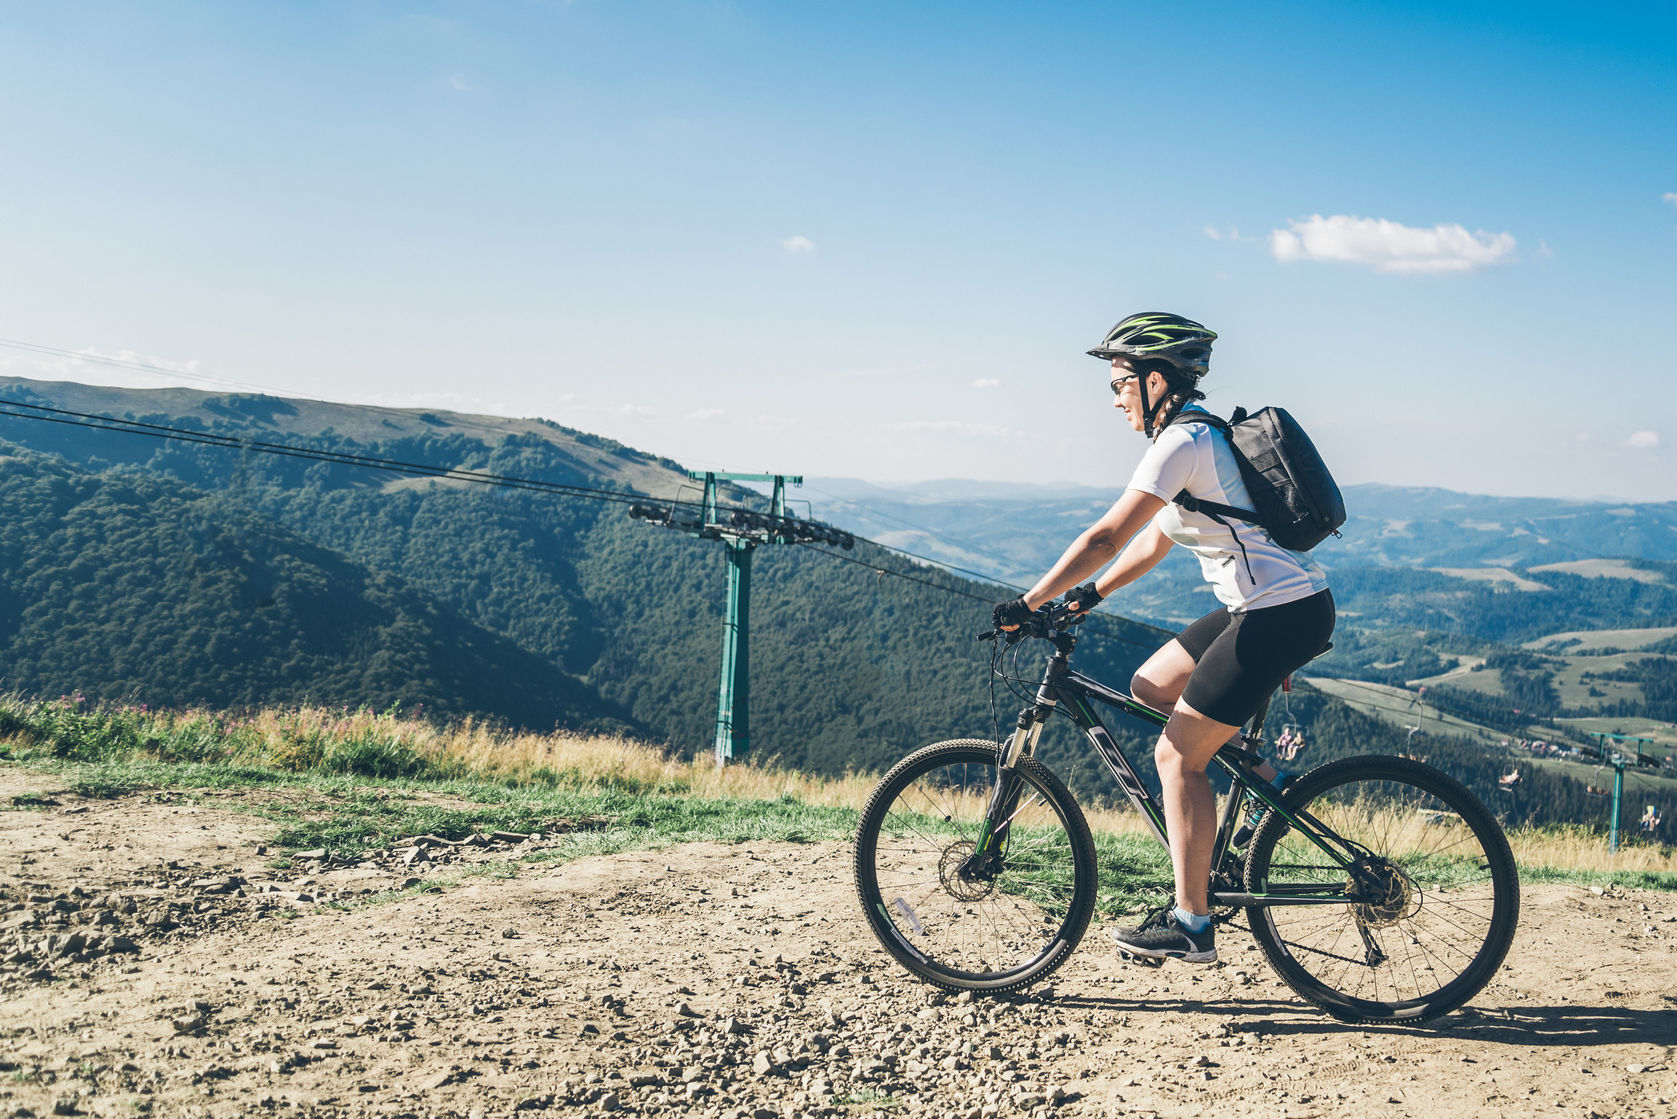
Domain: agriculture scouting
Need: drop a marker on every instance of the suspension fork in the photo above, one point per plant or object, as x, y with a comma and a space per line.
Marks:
986, 859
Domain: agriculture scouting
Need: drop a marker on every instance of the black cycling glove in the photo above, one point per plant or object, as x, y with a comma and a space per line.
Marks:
1086, 597
1013, 612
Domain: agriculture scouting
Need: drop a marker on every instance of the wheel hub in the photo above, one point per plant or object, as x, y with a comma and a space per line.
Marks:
1391, 895
959, 886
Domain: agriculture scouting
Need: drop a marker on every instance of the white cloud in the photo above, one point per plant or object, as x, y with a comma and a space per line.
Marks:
1388, 246
459, 82
798, 244
950, 427
1212, 232
1643, 439
1671, 197
704, 415
987, 383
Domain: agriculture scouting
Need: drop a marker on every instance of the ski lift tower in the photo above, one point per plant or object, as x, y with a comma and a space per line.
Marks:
741, 532
1619, 761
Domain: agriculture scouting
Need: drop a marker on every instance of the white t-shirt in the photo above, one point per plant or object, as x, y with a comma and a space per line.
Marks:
1197, 458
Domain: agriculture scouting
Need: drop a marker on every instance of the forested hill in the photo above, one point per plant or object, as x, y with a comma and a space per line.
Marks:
123, 585
141, 570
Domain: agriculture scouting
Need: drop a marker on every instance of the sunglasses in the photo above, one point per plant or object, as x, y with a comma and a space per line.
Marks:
1118, 383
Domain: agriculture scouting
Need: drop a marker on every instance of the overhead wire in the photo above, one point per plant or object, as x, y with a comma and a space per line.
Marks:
98, 422
95, 421
457, 419
953, 541
343, 458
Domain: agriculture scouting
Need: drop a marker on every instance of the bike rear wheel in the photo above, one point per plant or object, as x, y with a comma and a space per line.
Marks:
1431, 904
994, 931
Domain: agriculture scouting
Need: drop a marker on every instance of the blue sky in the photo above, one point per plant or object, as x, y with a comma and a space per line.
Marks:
873, 239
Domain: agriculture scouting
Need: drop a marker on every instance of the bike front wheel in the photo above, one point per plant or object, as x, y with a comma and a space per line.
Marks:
995, 929
1431, 893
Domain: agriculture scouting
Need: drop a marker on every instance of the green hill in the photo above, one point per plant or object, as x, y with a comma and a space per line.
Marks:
126, 586
608, 617
139, 570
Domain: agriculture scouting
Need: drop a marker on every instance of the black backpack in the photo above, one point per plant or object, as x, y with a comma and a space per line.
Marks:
1297, 501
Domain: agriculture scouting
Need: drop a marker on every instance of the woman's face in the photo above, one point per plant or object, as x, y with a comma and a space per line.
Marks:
1126, 391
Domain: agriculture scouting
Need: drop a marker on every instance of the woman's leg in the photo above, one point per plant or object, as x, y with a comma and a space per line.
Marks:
1185, 748
1159, 682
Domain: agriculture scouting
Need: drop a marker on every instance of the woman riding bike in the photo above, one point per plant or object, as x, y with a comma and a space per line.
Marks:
1276, 612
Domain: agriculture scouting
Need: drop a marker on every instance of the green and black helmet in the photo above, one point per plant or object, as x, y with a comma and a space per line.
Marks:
1182, 342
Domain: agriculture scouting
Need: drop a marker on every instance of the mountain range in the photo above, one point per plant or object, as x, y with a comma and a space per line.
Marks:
138, 569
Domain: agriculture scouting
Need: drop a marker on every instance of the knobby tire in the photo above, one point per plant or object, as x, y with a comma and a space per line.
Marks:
1434, 930
990, 934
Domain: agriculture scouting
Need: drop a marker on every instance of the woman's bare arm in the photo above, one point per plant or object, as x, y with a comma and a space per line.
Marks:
1141, 555
1098, 544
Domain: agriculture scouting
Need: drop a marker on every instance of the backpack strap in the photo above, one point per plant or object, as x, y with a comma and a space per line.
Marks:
1214, 509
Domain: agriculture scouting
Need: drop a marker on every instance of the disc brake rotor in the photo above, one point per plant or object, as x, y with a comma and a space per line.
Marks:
1394, 896
949, 866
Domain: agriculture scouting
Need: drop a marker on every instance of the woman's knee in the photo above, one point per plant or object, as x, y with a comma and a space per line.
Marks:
1170, 761
1160, 697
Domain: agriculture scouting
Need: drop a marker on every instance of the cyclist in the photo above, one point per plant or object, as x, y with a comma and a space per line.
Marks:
1276, 613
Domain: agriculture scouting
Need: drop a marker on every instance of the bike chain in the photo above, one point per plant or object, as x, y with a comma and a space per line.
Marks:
1330, 955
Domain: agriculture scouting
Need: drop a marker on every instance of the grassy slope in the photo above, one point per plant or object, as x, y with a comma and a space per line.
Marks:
362, 781
271, 416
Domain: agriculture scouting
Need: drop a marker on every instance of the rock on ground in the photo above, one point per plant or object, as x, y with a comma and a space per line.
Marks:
153, 959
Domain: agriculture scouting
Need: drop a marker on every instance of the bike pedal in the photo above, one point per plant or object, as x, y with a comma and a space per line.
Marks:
1144, 961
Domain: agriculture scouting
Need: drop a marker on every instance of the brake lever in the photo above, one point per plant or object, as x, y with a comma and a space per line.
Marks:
987, 635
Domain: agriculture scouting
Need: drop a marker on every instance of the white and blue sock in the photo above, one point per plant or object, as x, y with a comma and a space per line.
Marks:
1194, 922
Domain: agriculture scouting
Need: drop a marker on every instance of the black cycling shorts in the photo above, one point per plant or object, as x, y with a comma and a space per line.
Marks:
1240, 659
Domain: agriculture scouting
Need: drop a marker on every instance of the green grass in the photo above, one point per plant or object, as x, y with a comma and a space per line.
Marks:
1134, 874
364, 791
1620, 879
349, 814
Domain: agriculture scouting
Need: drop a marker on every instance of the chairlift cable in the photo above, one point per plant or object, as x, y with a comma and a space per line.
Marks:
135, 427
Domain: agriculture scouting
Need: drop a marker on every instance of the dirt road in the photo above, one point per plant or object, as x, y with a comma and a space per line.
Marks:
156, 961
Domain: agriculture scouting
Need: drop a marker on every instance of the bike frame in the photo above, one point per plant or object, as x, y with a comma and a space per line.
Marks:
1065, 690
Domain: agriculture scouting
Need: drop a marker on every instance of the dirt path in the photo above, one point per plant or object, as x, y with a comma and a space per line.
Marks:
155, 962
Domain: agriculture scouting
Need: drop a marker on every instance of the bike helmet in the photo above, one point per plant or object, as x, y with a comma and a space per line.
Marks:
1182, 342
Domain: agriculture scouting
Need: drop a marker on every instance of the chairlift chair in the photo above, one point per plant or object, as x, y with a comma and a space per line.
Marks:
1291, 739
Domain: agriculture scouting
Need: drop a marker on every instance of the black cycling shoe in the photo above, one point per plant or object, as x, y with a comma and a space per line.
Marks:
1162, 937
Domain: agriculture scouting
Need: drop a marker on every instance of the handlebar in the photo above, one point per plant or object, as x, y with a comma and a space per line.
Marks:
1044, 623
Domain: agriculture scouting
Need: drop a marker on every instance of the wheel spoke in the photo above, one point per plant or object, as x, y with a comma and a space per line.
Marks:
1013, 912
1434, 893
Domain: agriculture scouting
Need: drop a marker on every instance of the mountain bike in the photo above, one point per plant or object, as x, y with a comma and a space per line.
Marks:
1379, 888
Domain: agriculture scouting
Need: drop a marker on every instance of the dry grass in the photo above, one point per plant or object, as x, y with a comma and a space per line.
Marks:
341, 741
608, 762
1575, 848
605, 762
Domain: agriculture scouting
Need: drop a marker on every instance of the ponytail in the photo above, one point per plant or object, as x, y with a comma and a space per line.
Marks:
1181, 391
